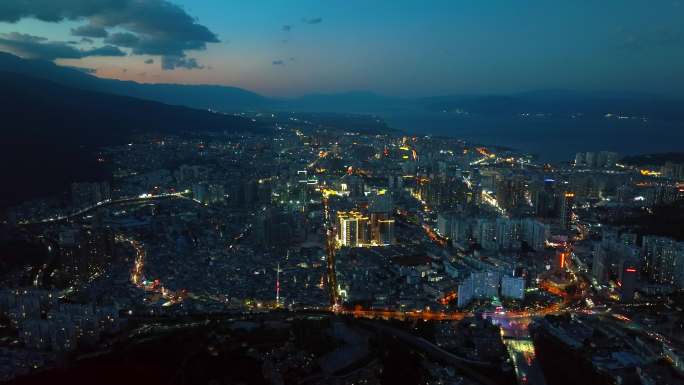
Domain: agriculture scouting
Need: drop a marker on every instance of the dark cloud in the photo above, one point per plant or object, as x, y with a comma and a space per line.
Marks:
36, 47
87, 40
287, 28
173, 62
278, 62
107, 50
162, 28
292, 59
54, 11
123, 39
163, 46
284, 41
149, 61
89, 30
312, 20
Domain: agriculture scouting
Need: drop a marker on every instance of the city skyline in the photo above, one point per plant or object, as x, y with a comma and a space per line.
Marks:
341, 192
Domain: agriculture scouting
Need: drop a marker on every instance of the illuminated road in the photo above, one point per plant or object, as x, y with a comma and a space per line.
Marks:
156, 286
142, 198
330, 256
138, 276
525, 362
446, 316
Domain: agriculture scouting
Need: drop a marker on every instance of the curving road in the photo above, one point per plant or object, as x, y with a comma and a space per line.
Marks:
98, 205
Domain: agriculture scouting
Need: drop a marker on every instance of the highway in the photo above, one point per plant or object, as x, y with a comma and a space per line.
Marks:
141, 198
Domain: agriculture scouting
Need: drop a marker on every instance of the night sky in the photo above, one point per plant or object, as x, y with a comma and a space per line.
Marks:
397, 48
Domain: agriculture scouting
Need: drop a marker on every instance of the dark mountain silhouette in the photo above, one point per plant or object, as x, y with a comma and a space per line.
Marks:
220, 98
50, 132
226, 99
654, 159
347, 102
231, 99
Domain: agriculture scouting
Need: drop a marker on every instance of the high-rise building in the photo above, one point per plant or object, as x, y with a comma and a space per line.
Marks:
513, 287
465, 292
673, 170
662, 194
598, 266
664, 259
590, 159
567, 200
444, 224
508, 233
609, 158
543, 198
628, 281
460, 230
353, 229
535, 233
384, 233
602, 159
486, 284
381, 223
510, 191
485, 233
501, 233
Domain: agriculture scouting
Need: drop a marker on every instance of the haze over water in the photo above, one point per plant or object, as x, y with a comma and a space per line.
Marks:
552, 139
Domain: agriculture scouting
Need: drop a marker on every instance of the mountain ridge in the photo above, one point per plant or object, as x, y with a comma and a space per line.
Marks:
234, 99
39, 113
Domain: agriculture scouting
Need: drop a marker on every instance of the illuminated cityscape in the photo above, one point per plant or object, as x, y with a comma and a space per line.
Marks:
160, 231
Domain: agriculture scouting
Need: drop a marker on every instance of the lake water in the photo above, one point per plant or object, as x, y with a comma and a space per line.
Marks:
550, 138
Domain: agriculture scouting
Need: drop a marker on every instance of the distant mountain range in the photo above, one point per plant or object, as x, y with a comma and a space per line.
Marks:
202, 97
654, 159
230, 99
54, 117
50, 131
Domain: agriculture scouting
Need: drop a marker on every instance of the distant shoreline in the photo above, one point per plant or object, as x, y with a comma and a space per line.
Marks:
551, 139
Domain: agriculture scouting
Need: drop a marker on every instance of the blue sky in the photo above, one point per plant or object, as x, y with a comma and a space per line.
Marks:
405, 48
